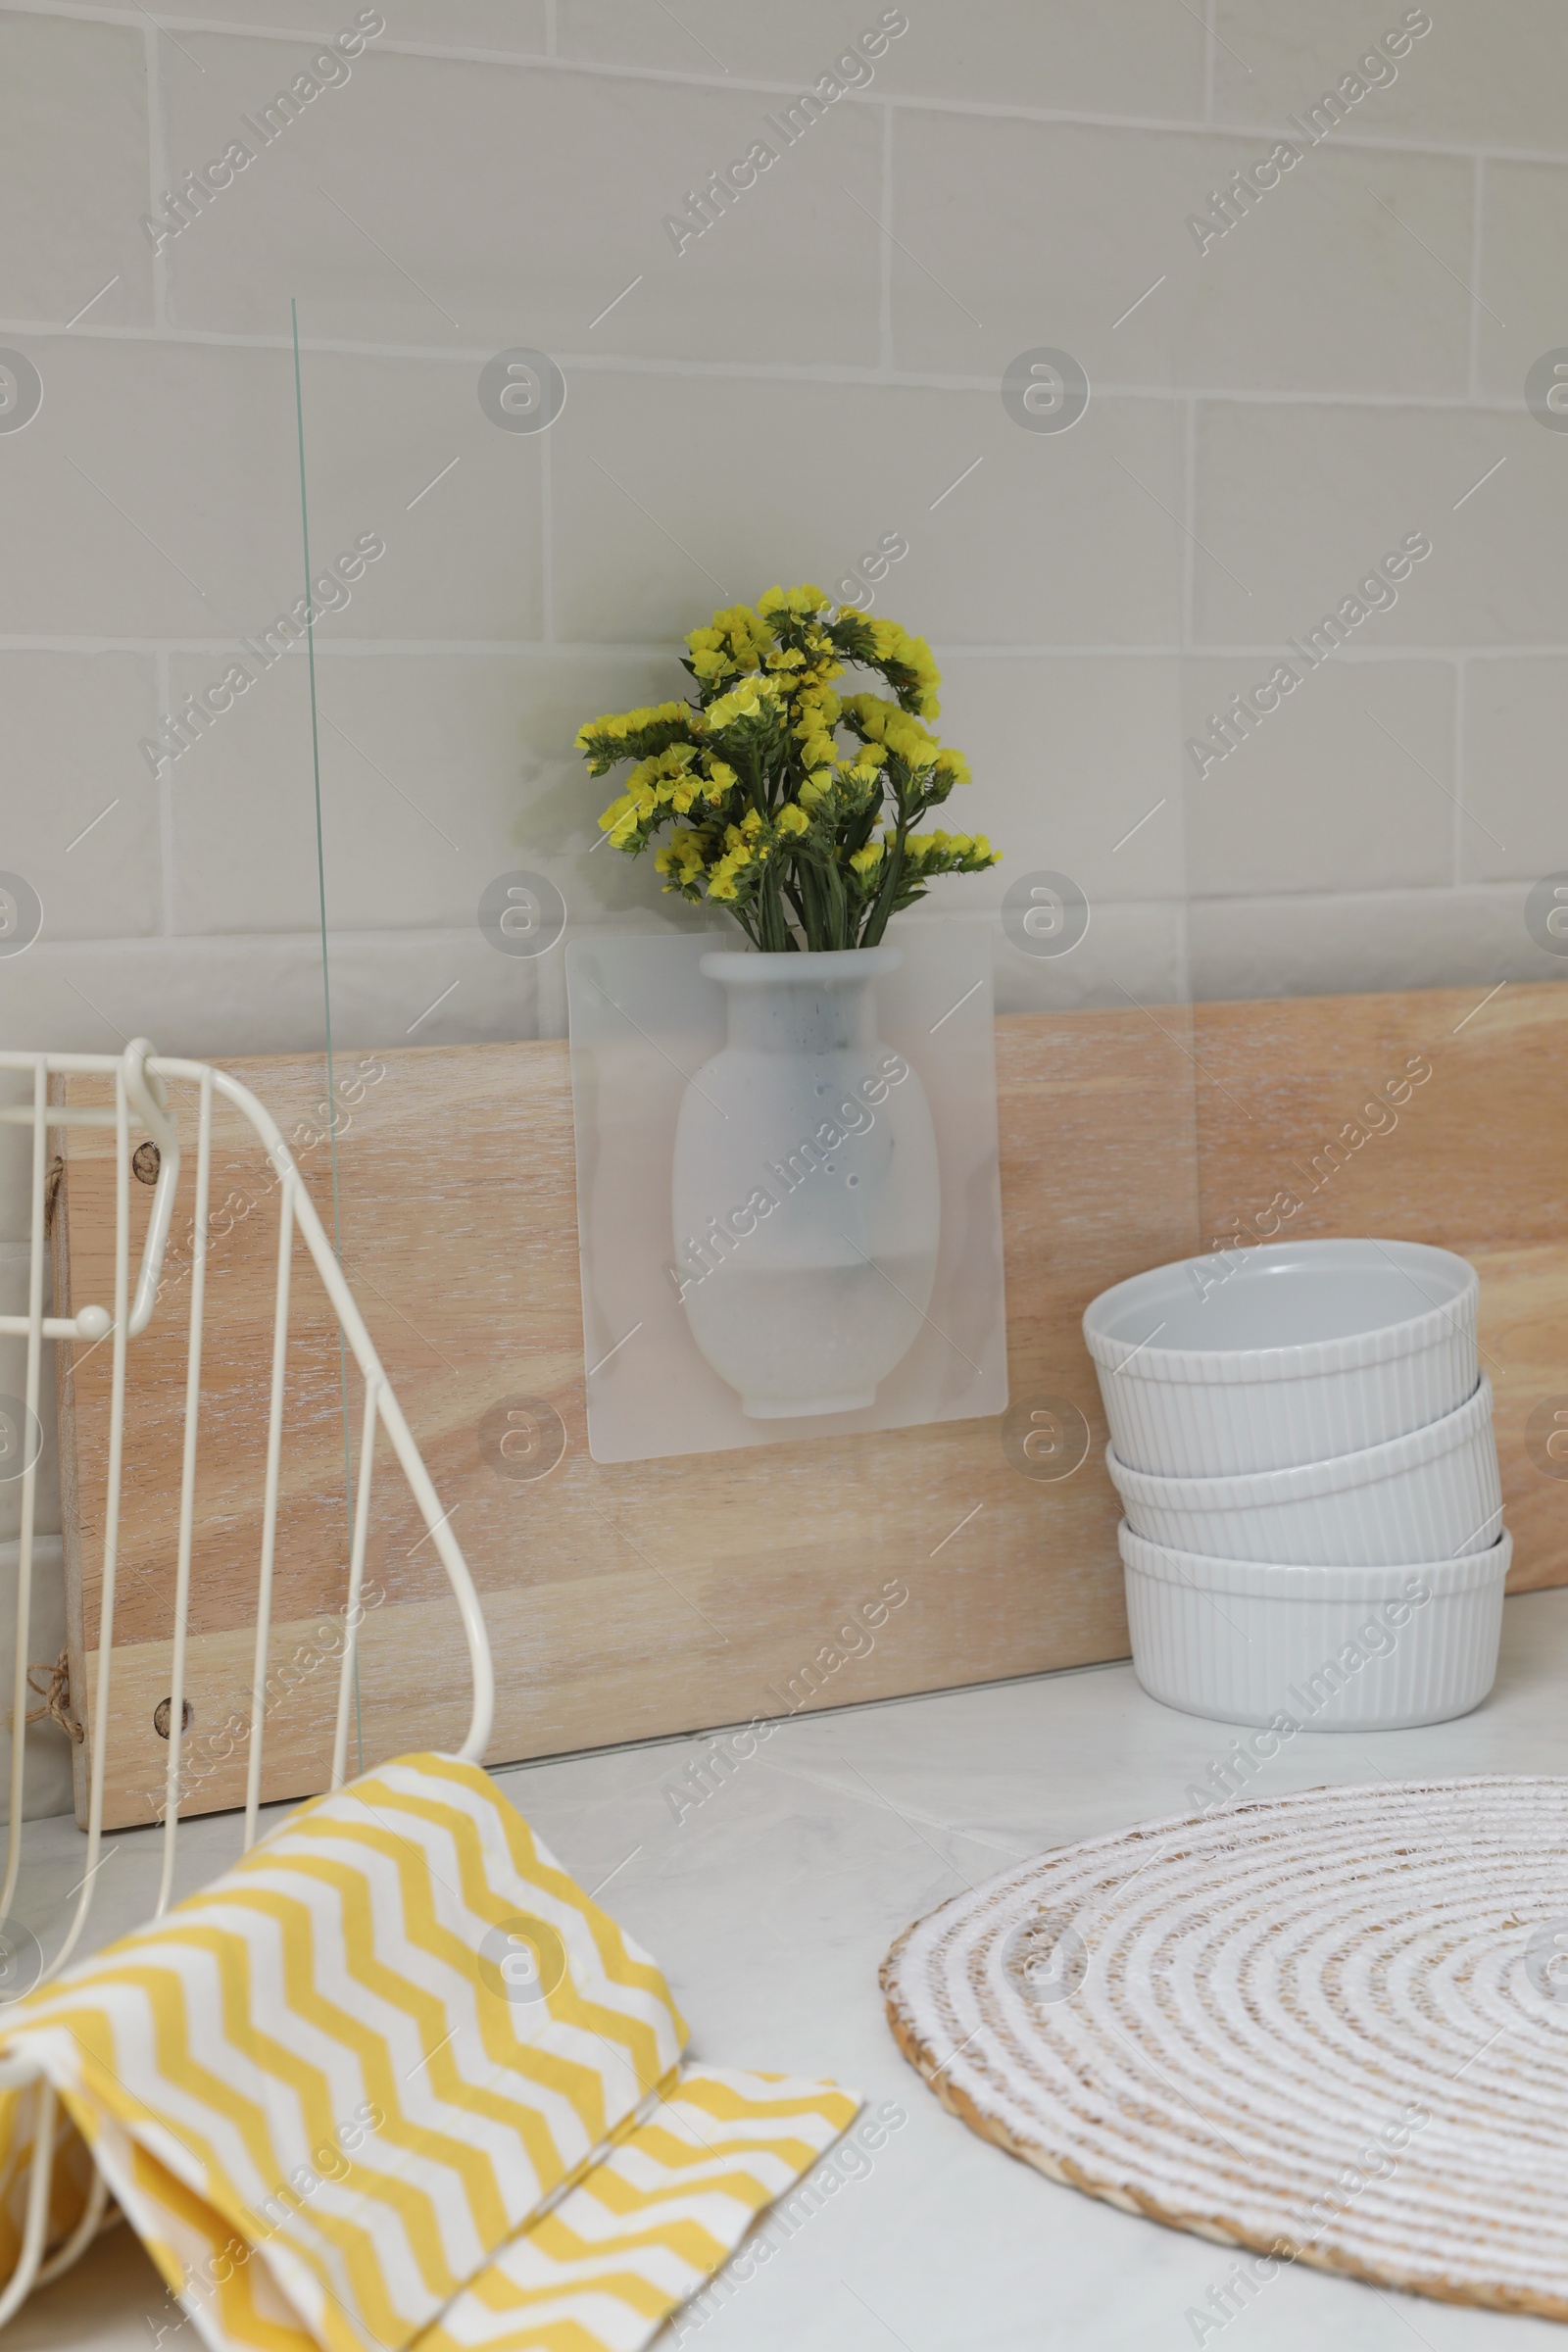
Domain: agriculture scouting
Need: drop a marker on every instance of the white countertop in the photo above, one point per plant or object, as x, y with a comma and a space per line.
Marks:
771, 1906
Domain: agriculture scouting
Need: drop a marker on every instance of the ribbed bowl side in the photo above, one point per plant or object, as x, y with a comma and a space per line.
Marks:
1179, 1429
1435, 1510
1327, 1665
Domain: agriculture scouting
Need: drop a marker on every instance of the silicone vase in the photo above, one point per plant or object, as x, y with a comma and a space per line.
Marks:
806, 1195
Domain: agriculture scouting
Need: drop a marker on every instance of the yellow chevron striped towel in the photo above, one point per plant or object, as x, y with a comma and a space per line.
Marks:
395, 2081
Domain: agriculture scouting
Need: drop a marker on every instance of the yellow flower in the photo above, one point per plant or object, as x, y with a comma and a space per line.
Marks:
681, 856
623, 830
754, 697
613, 728
801, 601
894, 646
763, 670
884, 723
738, 838
816, 705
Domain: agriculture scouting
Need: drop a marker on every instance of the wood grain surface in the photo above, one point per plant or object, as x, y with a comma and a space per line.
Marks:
633, 1599
1474, 1158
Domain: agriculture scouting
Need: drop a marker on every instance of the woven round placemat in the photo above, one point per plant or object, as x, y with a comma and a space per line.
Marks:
1320, 2027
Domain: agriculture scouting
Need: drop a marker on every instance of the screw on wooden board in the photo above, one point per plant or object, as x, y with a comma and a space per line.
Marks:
163, 1713
145, 1162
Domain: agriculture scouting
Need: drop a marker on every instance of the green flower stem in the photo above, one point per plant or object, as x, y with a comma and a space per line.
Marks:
892, 876
774, 934
838, 907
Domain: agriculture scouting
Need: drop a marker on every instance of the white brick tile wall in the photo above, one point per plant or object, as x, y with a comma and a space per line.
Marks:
74, 170
1526, 255
1305, 944
668, 489
151, 491
1482, 77
331, 211
436, 775
1080, 793
506, 27
1299, 504
1267, 305
1128, 57
84, 812
250, 994
1347, 786
1515, 730
818, 368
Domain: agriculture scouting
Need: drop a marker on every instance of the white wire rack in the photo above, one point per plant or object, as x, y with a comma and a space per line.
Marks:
139, 1076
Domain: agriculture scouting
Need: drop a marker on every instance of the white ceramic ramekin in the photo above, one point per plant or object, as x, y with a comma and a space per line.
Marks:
1266, 1357
1427, 1496
1332, 1649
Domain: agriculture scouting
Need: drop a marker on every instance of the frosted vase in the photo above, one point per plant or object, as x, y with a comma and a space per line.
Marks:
806, 1195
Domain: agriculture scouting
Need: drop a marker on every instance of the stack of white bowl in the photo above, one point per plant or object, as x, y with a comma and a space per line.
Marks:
1302, 1444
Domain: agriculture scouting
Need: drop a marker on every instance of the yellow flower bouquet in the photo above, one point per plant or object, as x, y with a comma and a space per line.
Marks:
806, 845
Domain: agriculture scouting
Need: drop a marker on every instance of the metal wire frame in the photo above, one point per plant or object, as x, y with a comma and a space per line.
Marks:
139, 1076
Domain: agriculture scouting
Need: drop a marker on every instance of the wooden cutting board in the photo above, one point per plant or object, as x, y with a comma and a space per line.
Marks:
634, 1599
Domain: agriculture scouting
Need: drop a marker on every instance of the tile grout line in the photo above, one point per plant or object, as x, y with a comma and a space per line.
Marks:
168, 869
1161, 930
158, 170
1459, 682
828, 374
885, 344
1477, 212
456, 931
157, 167
547, 543
525, 60
485, 648
1190, 500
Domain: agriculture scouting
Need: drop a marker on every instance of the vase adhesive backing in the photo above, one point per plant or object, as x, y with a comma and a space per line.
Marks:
790, 1220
